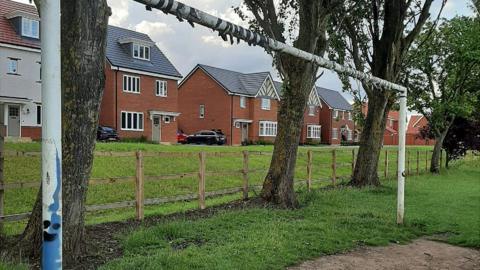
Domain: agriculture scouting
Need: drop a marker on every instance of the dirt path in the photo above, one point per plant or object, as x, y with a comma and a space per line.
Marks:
421, 254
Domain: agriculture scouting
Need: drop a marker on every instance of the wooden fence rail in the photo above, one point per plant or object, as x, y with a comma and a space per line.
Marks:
140, 178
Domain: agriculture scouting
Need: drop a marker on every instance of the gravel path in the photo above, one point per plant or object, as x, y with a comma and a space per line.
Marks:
420, 254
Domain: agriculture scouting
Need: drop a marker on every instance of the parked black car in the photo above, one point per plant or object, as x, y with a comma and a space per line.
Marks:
207, 137
107, 134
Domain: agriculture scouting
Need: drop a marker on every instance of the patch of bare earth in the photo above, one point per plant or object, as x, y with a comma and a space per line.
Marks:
420, 254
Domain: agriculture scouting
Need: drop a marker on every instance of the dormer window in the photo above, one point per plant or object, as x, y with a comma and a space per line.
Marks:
30, 28
141, 52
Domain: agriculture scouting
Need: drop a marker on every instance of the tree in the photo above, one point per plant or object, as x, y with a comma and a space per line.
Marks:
463, 136
84, 35
373, 36
442, 74
281, 22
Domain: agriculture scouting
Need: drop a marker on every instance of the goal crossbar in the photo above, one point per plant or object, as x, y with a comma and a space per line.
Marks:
228, 29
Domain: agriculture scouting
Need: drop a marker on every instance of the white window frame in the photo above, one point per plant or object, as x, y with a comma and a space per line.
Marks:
201, 111
266, 104
143, 51
140, 121
311, 110
350, 116
314, 131
267, 129
131, 84
243, 102
12, 67
161, 88
28, 26
349, 135
334, 133
335, 113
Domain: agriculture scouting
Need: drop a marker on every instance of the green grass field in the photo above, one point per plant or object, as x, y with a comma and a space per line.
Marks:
329, 221
27, 169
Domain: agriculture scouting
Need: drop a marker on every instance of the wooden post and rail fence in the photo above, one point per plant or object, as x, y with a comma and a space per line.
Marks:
245, 174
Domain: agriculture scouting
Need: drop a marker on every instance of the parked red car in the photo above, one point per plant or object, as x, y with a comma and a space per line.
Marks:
181, 137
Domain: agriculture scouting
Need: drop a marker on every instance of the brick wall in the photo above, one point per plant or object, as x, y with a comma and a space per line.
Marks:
35, 133
145, 101
201, 89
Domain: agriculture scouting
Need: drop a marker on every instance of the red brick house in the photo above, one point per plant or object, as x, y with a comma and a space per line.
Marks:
415, 125
243, 105
140, 98
336, 118
390, 136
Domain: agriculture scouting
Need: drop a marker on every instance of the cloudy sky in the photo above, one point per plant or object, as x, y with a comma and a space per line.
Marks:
186, 47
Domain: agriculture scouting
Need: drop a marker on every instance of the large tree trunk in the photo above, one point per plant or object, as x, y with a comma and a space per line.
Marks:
437, 152
371, 140
278, 185
84, 33
300, 77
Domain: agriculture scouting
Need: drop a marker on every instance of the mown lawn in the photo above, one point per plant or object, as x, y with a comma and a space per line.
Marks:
27, 169
329, 221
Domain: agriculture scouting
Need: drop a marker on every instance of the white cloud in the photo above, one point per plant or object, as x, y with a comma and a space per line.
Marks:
120, 11
216, 41
153, 28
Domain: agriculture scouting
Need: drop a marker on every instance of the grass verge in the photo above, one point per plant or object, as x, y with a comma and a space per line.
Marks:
329, 221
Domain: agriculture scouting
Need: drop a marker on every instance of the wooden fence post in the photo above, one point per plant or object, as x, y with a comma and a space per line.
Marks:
334, 167
353, 161
139, 187
386, 164
441, 158
309, 169
408, 162
245, 175
418, 162
2, 182
426, 160
201, 180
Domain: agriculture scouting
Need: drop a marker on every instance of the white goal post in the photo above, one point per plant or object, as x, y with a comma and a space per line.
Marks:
51, 98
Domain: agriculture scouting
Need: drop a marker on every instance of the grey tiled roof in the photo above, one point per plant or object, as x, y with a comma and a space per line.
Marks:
235, 82
118, 56
334, 99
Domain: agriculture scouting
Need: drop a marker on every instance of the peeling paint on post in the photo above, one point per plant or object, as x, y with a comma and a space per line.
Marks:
51, 136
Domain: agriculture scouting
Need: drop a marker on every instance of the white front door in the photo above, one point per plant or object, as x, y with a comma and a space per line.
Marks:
13, 124
156, 128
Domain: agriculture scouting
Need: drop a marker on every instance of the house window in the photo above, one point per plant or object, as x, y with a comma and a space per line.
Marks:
313, 131
202, 111
265, 104
334, 134
350, 116
30, 28
167, 119
39, 115
161, 90
12, 66
311, 110
268, 129
131, 84
349, 134
243, 102
132, 121
141, 52
335, 114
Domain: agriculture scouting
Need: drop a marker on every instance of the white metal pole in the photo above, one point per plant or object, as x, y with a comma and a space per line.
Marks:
51, 135
401, 157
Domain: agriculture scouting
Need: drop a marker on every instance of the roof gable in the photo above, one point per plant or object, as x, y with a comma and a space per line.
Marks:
334, 99
236, 83
8, 34
119, 54
268, 89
